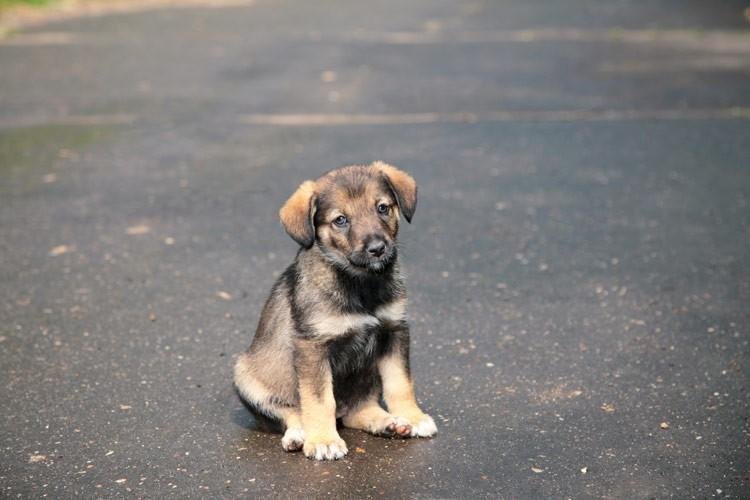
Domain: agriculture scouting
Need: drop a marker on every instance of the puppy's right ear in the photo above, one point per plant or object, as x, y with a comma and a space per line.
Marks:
297, 215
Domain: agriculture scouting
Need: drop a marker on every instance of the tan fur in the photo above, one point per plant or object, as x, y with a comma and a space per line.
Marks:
318, 407
295, 214
371, 417
393, 312
330, 325
318, 410
246, 382
403, 183
398, 391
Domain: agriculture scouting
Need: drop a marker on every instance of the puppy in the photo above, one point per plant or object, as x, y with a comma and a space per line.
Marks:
332, 339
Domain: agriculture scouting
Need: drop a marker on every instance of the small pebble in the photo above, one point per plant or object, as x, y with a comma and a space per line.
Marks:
138, 230
60, 250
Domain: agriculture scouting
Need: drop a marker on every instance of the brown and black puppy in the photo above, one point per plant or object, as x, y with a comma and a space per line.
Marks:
332, 339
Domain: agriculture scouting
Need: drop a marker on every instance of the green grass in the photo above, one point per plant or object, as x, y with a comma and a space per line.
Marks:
33, 3
28, 153
40, 146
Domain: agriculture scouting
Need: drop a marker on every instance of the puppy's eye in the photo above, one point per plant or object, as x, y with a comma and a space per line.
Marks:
383, 208
340, 221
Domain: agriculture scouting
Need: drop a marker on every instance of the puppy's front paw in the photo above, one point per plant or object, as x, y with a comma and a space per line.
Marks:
325, 449
425, 427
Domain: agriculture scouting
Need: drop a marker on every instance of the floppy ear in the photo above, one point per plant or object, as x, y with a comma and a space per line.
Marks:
403, 185
297, 215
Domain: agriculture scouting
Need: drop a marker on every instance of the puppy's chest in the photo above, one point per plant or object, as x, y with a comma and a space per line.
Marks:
356, 351
337, 324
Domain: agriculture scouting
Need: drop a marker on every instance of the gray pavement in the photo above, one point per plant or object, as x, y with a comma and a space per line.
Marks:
578, 263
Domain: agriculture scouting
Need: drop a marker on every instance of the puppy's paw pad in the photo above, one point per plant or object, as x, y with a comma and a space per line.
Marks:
326, 451
293, 440
424, 428
398, 427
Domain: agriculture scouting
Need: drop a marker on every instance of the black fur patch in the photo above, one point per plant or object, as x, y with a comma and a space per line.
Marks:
353, 359
364, 294
291, 277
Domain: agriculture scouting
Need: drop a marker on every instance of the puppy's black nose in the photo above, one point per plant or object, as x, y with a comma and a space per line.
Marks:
376, 247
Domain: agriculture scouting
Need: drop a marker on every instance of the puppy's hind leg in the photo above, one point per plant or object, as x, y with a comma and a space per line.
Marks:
294, 436
370, 417
256, 396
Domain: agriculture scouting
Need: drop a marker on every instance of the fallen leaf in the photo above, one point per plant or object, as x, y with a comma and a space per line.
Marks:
608, 407
60, 249
359, 450
328, 76
664, 425
223, 295
66, 153
537, 470
120, 481
37, 458
139, 229
125, 407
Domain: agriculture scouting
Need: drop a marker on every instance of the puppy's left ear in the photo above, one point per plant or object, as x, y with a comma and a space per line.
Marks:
297, 215
403, 185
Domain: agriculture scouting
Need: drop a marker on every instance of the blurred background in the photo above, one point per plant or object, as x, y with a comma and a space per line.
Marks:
577, 265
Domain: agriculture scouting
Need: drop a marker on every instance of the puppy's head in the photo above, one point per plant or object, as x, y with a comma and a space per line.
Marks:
352, 214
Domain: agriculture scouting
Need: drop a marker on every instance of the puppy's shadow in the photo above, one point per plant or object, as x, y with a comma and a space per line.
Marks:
248, 418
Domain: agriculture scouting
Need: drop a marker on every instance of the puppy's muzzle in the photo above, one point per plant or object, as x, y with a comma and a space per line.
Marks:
376, 247
374, 255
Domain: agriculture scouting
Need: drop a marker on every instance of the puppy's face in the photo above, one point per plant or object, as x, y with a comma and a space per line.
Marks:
356, 221
352, 214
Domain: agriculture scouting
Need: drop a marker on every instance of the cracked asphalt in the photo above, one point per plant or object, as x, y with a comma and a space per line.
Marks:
578, 265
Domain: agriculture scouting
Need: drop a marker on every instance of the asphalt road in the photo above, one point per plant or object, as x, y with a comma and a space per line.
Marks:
578, 263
